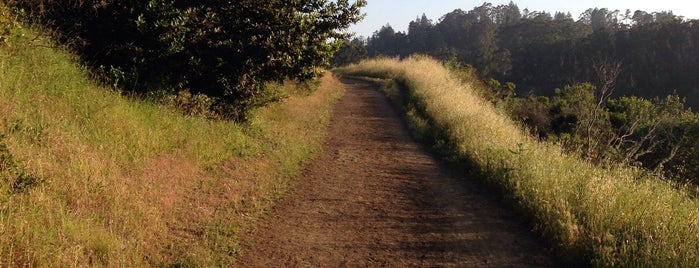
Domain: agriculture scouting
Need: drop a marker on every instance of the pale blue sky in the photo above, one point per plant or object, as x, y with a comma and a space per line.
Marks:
398, 13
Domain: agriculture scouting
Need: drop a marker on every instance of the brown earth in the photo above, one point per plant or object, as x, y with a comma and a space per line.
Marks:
376, 198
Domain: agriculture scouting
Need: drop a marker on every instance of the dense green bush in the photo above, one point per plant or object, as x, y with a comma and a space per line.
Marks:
657, 134
226, 50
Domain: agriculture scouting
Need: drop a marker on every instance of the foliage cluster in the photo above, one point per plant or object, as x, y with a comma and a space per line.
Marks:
89, 177
350, 51
540, 52
596, 216
226, 50
655, 134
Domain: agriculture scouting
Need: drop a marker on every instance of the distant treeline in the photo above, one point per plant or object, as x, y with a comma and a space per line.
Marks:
658, 52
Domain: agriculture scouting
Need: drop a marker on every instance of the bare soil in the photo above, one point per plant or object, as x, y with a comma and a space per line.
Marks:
375, 198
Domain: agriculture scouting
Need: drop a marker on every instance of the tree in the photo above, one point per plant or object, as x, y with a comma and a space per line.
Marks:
666, 17
388, 42
507, 15
419, 37
562, 17
642, 18
600, 18
351, 51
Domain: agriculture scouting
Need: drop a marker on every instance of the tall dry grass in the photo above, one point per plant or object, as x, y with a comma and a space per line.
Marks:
119, 182
619, 217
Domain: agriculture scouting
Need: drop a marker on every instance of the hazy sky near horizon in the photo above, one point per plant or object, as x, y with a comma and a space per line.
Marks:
399, 13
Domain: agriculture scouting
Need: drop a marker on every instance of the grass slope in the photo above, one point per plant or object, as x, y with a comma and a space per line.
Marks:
617, 217
91, 178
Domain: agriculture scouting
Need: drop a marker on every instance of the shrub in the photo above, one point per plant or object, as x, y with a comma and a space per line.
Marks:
226, 50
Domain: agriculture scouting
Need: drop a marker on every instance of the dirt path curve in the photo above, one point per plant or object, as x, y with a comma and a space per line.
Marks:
375, 198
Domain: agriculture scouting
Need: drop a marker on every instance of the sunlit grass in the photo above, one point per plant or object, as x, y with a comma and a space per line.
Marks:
129, 183
619, 217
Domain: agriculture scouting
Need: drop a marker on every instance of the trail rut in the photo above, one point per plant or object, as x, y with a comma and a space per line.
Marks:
375, 198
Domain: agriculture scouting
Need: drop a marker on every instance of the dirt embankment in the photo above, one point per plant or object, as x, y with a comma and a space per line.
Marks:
375, 198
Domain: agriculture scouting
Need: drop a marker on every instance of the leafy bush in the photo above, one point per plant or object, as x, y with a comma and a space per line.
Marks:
656, 134
226, 50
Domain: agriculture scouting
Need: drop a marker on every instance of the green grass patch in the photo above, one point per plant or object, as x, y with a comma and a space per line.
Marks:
93, 178
592, 216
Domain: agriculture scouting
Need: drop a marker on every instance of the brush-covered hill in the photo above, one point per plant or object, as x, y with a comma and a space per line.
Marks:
89, 177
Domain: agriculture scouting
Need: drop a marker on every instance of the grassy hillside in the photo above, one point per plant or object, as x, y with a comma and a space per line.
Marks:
91, 178
619, 217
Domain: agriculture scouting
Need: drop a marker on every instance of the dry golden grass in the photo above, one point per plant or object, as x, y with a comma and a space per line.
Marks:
620, 217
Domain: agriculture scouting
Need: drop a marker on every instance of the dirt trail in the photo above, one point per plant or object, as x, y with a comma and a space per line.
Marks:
375, 198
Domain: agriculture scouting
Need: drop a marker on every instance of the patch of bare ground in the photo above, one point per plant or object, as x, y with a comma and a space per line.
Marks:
374, 198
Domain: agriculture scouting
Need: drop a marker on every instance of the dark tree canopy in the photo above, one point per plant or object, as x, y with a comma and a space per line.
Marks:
224, 49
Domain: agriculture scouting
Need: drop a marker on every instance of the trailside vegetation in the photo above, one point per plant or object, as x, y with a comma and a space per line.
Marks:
226, 50
616, 216
92, 178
